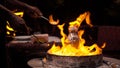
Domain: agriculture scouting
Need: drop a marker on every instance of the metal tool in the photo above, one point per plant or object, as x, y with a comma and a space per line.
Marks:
44, 18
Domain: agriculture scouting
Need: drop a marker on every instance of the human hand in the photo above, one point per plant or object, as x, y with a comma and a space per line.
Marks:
18, 24
33, 12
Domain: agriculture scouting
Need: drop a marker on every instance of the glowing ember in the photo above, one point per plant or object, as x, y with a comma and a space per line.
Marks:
76, 48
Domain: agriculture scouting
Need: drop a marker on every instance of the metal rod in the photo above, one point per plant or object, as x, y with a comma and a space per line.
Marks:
44, 18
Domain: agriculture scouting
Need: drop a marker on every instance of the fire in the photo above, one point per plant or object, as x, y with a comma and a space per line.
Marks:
20, 14
51, 21
77, 47
10, 30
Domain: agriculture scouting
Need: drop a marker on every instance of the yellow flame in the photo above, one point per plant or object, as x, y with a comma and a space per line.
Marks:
80, 19
20, 14
8, 32
52, 21
69, 49
9, 27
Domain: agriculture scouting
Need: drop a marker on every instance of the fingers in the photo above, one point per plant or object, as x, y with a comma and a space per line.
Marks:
37, 11
28, 30
34, 12
19, 25
22, 29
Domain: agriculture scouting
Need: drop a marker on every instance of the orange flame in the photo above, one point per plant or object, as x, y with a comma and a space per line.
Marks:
76, 49
51, 20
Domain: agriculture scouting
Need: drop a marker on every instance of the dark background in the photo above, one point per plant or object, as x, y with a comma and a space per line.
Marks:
103, 13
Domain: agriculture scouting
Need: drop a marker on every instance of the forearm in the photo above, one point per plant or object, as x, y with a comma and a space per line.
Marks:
19, 4
4, 12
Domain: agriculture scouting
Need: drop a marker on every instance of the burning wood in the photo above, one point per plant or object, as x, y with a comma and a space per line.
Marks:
78, 48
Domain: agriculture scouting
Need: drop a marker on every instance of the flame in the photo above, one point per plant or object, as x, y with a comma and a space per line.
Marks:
79, 20
20, 14
10, 30
76, 49
8, 27
51, 20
